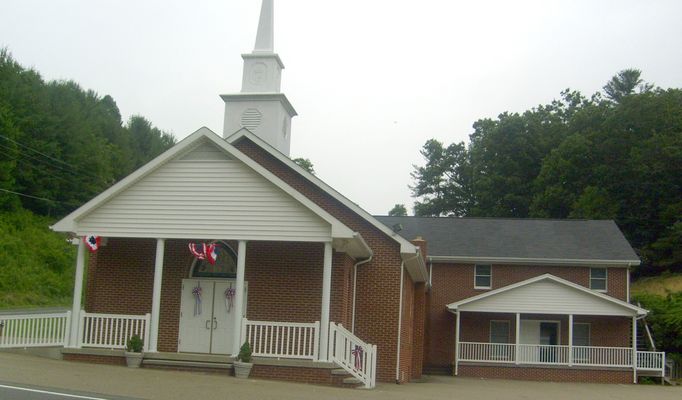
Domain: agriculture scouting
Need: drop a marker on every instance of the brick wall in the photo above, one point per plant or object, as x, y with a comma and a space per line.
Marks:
546, 374
454, 282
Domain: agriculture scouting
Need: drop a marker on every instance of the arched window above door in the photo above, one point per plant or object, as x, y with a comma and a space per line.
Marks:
224, 267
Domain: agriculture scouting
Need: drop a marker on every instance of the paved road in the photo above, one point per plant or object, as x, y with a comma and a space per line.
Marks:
145, 383
13, 391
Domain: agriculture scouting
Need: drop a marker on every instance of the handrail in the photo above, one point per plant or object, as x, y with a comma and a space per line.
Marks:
352, 354
34, 330
112, 331
282, 339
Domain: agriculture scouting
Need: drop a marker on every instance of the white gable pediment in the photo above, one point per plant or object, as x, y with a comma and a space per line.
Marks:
546, 295
203, 188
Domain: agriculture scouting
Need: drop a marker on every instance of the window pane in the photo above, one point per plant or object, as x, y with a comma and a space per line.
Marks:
598, 284
581, 334
483, 281
499, 332
598, 273
483, 270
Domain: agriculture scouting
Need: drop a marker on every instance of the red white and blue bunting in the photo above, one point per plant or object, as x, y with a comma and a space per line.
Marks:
203, 251
229, 298
196, 292
93, 242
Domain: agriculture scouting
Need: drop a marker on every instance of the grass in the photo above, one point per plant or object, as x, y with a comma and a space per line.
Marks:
659, 285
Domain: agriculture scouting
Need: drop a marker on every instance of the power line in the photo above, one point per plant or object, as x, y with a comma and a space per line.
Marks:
28, 195
32, 149
30, 164
49, 164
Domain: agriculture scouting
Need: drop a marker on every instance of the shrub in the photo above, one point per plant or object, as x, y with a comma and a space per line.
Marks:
245, 353
135, 344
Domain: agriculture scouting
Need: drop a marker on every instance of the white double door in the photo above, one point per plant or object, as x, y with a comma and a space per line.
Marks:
207, 322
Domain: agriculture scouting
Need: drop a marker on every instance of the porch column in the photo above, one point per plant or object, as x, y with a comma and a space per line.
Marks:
156, 296
634, 349
457, 327
77, 294
570, 340
239, 298
326, 299
517, 338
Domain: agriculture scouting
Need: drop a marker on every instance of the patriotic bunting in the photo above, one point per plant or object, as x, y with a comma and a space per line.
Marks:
202, 251
93, 242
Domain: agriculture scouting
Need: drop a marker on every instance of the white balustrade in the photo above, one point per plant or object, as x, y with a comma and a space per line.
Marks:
593, 356
34, 330
282, 339
112, 331
352, 354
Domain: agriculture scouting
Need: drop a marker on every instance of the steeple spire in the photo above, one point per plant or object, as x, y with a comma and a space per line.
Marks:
260, 107
266, 32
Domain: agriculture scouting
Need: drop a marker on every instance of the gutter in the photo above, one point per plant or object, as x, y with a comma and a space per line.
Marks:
543, 261
400, 323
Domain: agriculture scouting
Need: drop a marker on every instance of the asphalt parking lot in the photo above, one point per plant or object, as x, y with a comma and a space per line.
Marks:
81, 380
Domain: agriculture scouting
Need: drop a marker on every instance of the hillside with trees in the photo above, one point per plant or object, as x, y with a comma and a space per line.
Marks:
60, 145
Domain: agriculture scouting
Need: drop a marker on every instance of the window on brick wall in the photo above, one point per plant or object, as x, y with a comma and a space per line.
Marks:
581, 334
224, 267
499, 331
483, 276
598, 279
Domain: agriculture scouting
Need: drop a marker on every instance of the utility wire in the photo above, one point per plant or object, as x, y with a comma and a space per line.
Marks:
49, 164
28, 195
42, 154
30, 164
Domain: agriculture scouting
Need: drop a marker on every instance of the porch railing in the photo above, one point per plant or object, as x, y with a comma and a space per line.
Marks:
558, 355
282, 339
34, 330
352, 354
112, 331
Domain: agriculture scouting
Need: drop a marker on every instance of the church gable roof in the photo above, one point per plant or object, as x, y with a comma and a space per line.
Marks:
204, 188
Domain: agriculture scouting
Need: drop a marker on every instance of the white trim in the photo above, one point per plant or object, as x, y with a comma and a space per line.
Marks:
476, 275
239, 298
606, 279
637, 310
400, 323
156, 296
70, 222
541, 261
407, 249
74, 329
325, 304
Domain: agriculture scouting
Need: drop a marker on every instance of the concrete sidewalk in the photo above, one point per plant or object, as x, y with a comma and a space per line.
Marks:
161, 384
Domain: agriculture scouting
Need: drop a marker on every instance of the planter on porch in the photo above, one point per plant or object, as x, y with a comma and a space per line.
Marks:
133, 359
243, 364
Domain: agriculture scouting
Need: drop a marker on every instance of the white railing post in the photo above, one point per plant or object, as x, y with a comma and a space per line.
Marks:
457, 327
80, 329
634, 349
316, 341
326, 300
239, 297
67, 329
517, 338
243, 334
147, 322
570, 340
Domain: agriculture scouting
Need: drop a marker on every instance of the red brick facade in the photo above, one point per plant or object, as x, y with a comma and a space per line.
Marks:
547, 374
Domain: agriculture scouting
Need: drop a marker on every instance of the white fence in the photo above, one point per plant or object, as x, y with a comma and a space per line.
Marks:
112, 331
34, 330
352, 354
282, 339
559, 355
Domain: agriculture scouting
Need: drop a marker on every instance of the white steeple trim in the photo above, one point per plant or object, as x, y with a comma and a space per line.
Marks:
265, 37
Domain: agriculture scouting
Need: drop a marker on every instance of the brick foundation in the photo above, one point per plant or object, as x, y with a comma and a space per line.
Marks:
95, 359
550, 374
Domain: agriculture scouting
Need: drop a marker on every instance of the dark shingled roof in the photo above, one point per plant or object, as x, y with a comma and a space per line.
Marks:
517, 238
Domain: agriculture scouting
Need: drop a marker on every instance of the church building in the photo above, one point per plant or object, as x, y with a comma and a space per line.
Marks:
223, 240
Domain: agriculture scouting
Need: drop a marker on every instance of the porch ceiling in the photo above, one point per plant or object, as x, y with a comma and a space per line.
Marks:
547, 294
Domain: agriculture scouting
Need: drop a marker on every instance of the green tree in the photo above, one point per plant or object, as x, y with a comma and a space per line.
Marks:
398, 210
624, 84
305, 163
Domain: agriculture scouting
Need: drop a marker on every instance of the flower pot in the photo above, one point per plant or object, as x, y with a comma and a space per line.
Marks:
133, 359
242, 369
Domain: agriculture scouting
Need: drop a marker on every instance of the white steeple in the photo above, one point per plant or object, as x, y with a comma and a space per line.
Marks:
260, 107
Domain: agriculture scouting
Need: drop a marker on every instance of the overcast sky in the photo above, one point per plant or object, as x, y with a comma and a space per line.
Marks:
370, 80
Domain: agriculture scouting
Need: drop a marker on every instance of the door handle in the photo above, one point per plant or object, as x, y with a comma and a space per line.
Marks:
208, 321
215, 323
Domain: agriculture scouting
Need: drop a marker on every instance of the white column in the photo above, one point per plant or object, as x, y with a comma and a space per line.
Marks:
77, 294
326, 299
517, 338
570, 340
634, 349
239, 298
457, 325
156, 296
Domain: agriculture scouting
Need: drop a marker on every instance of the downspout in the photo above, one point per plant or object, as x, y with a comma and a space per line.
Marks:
355, 280
400, 323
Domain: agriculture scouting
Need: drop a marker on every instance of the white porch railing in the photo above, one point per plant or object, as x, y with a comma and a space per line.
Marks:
112, 331
352, 354
282, 339
556, 355
651, 361
35, 330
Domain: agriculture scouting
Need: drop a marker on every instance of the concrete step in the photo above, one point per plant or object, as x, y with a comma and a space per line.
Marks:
340, 371
351, 380
152, 362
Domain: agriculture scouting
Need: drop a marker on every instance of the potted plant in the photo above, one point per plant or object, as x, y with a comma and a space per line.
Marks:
134, 351
243, 364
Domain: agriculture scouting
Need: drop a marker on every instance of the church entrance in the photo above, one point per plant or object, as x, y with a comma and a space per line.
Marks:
207, 314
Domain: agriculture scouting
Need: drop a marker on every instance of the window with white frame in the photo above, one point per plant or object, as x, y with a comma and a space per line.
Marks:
483, 276
598, 279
